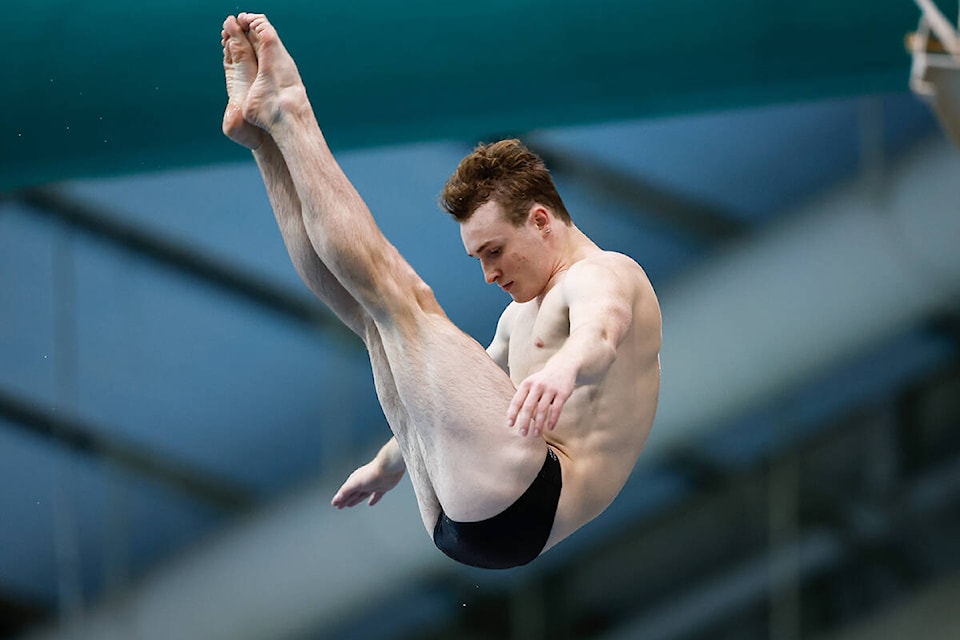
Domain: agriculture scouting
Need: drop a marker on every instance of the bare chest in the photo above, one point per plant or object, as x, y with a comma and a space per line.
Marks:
539, 330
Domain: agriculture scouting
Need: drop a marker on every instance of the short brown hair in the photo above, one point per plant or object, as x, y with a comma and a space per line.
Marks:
506, 172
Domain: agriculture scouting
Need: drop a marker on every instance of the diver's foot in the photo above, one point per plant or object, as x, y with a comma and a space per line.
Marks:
277, 90
240, 69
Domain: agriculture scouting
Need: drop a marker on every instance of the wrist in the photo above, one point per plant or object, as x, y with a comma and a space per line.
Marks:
566, 366
389, 461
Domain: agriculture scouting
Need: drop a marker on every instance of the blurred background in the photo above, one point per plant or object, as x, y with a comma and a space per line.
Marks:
176, 410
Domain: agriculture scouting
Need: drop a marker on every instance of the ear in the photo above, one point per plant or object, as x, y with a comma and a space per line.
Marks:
540, 217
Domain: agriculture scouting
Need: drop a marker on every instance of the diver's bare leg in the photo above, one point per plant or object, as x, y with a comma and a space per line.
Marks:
455, 396
240, 69
240, 66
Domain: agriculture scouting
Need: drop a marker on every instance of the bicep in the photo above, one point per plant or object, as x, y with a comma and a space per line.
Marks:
600, 301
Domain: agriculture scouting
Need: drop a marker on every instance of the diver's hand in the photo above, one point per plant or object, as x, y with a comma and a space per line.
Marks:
368, 482
539, 399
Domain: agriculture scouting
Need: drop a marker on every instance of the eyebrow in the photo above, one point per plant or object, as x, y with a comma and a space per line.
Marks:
479, 249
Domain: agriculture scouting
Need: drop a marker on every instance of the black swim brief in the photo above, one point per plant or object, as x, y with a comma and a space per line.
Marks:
515, 536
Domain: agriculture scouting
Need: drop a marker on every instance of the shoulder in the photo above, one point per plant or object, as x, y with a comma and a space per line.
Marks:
507, 318
603, 270
612, 285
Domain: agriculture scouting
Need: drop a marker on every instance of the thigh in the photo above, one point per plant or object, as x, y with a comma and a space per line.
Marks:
399, 421
456, 399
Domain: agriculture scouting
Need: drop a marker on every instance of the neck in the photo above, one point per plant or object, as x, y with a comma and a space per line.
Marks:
572, 246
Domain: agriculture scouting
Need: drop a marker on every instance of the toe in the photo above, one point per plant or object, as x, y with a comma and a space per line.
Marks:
261, 31
232, 27
259, 22
246, 18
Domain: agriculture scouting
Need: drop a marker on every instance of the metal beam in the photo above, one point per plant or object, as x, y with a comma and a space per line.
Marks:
693, 218
78, 436
931, 614
93, 221
417, 71
702, 471
818, 550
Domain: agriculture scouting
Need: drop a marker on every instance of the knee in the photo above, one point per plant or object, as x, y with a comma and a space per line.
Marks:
407, 293
424, 298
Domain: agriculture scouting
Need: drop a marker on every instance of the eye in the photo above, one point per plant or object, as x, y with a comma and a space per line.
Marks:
493, 253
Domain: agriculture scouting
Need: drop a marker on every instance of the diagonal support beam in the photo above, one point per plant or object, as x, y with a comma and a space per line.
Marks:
259, 291
700, 220
83, 438
697, 467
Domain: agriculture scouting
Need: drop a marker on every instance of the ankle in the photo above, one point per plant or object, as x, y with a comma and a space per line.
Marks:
288, 106
292, 102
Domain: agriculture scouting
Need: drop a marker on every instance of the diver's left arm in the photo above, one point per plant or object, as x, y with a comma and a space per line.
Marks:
600, 302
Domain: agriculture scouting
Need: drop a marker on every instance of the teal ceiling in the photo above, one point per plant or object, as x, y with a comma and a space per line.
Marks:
116, 87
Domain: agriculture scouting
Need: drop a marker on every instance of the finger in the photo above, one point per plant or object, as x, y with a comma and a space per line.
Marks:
525, 420
357, 498
375, 498
555, 408
553, 413
516, 403
542, 413
348, 497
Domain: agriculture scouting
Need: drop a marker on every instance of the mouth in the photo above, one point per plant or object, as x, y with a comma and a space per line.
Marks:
506, 287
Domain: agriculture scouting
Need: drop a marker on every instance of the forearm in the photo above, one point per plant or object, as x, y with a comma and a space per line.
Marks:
587, 355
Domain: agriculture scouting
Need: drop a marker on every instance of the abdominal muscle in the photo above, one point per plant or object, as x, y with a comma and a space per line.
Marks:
598, 446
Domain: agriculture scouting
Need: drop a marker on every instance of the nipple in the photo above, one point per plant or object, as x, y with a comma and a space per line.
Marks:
538, 343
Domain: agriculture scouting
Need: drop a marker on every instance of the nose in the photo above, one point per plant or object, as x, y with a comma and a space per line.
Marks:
490, 275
